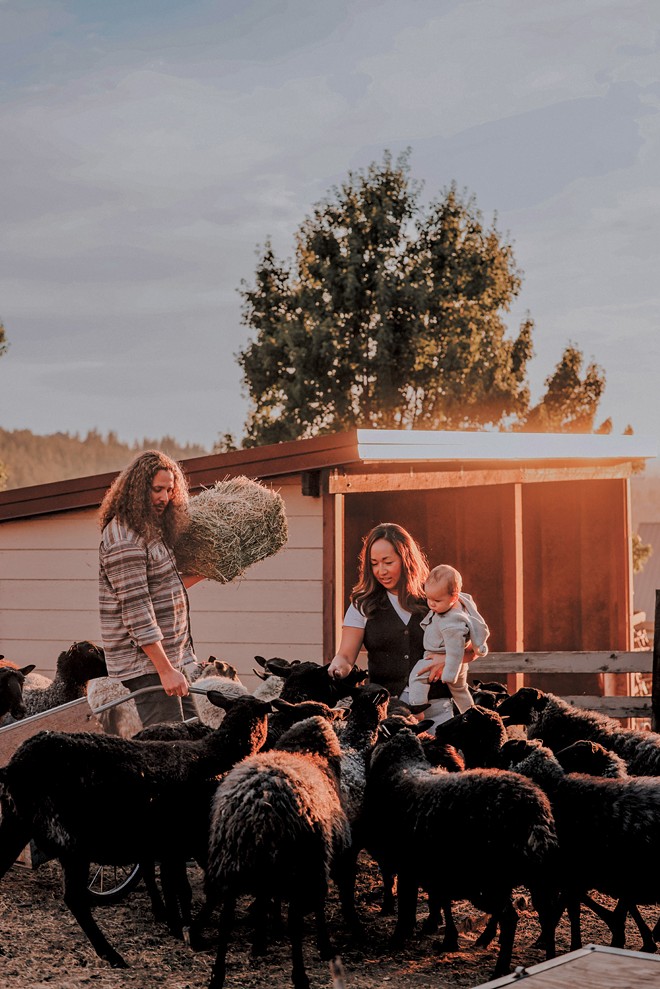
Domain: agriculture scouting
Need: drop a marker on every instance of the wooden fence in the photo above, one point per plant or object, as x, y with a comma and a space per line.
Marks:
616, 706
535, 663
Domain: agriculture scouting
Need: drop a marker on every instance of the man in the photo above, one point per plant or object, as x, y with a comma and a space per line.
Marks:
143, 602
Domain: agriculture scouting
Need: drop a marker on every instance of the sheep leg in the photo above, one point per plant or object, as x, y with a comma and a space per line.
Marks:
648, 941
488, 933
573, 910
298, 973
508, 920
432, 922
259, 914
344, 874
323, 942
197, 942
549, 911
178, 897
406, 910
14, 836
450, 940
77, 900
615, 919
656, 931
227, 918
149, 878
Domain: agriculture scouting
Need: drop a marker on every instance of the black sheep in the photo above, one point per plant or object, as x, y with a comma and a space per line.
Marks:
98, 798
277, 831
419, 818
558, 725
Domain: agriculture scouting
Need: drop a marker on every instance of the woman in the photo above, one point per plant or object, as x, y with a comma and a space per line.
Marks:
387, 606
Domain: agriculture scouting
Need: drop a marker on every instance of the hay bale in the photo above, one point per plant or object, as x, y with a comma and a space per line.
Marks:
233, 524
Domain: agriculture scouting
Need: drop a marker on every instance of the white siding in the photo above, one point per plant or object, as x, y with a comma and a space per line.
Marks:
48, 592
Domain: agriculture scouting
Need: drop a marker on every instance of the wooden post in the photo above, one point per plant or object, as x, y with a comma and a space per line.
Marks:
655, 688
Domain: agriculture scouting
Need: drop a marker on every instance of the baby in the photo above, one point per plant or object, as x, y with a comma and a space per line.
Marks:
450, 625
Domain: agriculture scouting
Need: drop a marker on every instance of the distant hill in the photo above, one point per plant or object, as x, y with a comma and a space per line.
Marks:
32, 459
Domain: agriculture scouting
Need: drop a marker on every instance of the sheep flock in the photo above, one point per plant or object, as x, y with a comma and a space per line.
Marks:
284, 794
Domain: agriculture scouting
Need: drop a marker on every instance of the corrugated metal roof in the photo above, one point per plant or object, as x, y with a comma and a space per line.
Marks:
440, 449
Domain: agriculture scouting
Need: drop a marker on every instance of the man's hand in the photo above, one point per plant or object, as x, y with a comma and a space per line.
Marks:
174, 683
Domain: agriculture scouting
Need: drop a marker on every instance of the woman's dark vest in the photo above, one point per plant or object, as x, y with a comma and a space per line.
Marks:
392, 647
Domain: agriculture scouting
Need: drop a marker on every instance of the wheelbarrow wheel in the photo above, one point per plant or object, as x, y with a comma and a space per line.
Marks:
111, 883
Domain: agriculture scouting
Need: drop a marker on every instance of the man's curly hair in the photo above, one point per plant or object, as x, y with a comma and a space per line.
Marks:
129, 499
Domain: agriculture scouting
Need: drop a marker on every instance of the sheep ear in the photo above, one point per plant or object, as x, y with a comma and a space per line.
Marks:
419, 708
281, 705
27, 669
281, 667
423, 726
260, 661
219, 700
262, 676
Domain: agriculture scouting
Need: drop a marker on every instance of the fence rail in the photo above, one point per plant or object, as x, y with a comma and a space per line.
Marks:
616, 706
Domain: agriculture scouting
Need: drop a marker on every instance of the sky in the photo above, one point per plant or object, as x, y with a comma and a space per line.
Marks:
151, 147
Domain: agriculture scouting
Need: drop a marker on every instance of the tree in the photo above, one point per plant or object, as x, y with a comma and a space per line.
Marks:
571, 400
640, 552
391, 314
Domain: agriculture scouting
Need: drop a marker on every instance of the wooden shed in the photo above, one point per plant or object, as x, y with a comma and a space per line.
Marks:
539, 526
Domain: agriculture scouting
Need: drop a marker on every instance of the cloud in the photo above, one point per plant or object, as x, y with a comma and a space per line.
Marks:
149, 148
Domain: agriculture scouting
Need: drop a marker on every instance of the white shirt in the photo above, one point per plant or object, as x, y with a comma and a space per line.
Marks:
355, 619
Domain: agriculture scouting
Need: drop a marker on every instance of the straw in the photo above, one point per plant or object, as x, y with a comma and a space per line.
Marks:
233, 524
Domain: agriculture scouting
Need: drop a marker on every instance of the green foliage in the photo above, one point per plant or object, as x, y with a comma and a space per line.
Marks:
32, 459
390, 315
640, 552
571, 399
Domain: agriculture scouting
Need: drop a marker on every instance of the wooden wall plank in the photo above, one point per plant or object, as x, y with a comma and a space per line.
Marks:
277, 625
291, 563
73, 530
47, 595
82, 595
564, 662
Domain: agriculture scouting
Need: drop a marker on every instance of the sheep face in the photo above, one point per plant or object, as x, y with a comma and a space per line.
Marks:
523, 707
82, 661
11, 691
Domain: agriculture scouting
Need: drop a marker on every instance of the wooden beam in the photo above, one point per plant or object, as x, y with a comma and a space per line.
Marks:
563, 662
516, 680
655, 684
416, 480
613, 707
339, 558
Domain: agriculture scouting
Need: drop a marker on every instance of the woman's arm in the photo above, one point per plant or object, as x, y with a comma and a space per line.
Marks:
347, 654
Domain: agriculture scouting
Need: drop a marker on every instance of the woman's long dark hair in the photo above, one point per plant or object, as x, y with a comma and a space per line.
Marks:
369, 595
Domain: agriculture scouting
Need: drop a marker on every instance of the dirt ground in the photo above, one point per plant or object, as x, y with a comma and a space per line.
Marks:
44, 947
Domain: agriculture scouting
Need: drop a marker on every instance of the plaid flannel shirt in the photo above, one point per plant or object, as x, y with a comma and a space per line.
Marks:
141, 600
